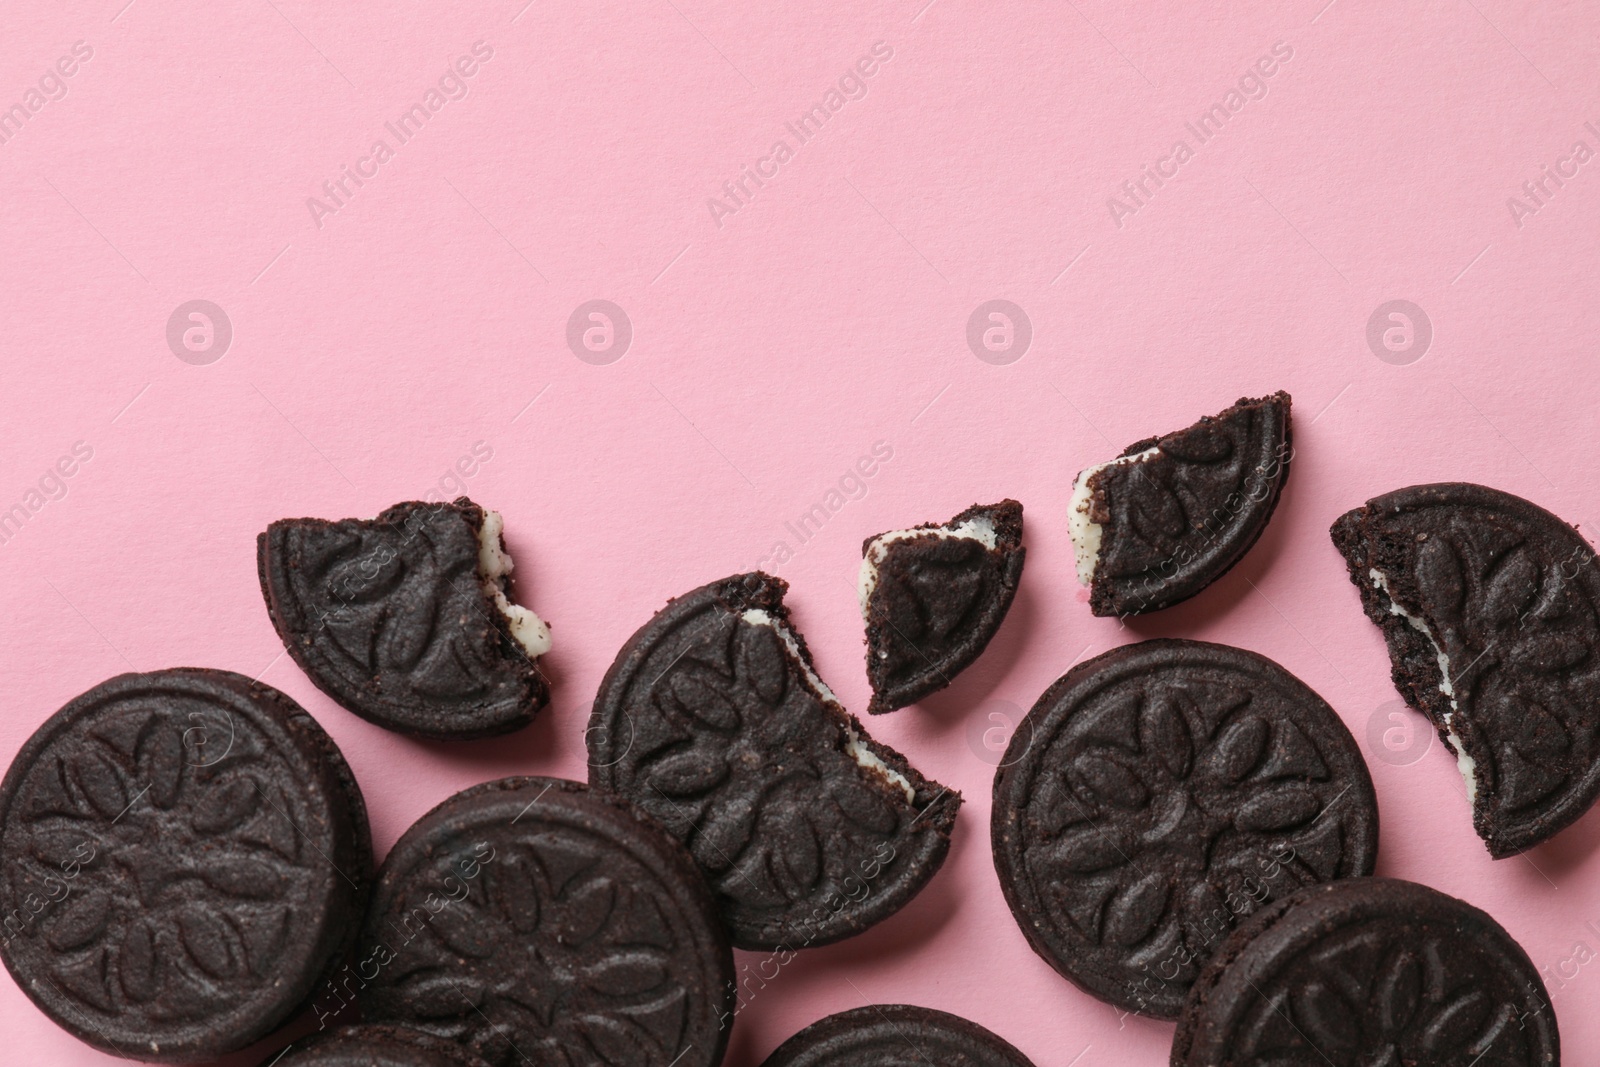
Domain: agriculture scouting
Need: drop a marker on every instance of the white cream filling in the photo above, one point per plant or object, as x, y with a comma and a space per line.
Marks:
869, 759
530, 631
980, 529
1464, 763
853, 744
1085, 532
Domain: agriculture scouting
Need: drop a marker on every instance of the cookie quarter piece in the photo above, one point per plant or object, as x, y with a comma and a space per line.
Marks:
1490, 606
1173, 513
184, 858
374, 1046
1368, 971
1158, 794
406, 619
932, 597
713, 721
895, 1035
534, 920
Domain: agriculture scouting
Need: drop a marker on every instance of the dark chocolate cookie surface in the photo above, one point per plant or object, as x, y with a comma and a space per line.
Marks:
534, 920
1490, 606
404, 619
713, 721
184, 856
375, 1046
932, 597
895, 1035
1173, 513
1369, 971
1157, 794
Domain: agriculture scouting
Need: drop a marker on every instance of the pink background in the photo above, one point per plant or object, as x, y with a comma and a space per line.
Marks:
429, 313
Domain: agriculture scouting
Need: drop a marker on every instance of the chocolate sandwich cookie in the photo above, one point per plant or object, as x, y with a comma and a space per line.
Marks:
895, 1035
375, 1046
1157, 794
1490, 606
406, 619
1363, 972
932, 597
1171, 514
533, 920
184, 857
713, 720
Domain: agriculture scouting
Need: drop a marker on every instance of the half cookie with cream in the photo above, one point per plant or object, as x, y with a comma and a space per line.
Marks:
713, 720
932, 597
1490, 606
407, 619
1172, 514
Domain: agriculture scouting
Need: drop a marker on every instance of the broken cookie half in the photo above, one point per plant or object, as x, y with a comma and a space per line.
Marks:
1490, 606
714, 721
407, 619
933, 595
1172, 514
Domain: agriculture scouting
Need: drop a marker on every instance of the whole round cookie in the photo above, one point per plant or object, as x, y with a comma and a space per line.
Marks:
713, 720
1368, 971
184, 857
895, 1035
1172, 514
1157, 794
1490, 606
406, 619
536, 921
374, 1046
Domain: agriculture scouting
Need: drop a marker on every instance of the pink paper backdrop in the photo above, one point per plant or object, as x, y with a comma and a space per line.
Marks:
380, 337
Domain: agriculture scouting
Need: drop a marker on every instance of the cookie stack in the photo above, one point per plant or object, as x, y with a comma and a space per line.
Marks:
1181, 829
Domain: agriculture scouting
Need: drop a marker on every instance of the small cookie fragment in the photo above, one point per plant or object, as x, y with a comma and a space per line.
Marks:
534, 920
713, 720
374, 1046
406, 619
184, 858
932, 597
1368, 971
1490, 606
895, 1035
1156, 795
1172, 514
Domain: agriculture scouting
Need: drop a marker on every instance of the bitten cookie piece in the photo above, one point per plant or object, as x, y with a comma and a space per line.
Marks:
891, 1035
1490, 606
713, 720
537, 921
184, 858
1158, 794
1172, 514
932, 597
407, 620
1368, 971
